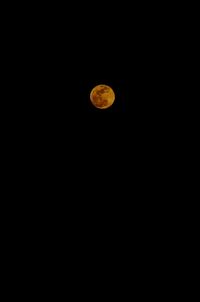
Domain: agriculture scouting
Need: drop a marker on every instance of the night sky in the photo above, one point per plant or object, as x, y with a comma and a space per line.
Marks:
64, 61
67, 146
61, 65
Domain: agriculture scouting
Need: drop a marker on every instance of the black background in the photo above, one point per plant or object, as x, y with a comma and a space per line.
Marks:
61, 54
88, 181
56, 62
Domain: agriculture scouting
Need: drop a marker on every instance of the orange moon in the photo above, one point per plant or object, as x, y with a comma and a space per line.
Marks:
102, 96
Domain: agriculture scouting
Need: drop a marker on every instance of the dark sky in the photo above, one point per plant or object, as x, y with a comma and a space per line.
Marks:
63, 63
55, 130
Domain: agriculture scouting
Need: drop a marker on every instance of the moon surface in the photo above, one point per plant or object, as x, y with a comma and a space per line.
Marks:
102, 96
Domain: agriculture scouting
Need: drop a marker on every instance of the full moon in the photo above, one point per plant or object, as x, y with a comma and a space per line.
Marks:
102, 96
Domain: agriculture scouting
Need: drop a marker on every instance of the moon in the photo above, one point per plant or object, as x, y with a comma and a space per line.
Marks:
102, 96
